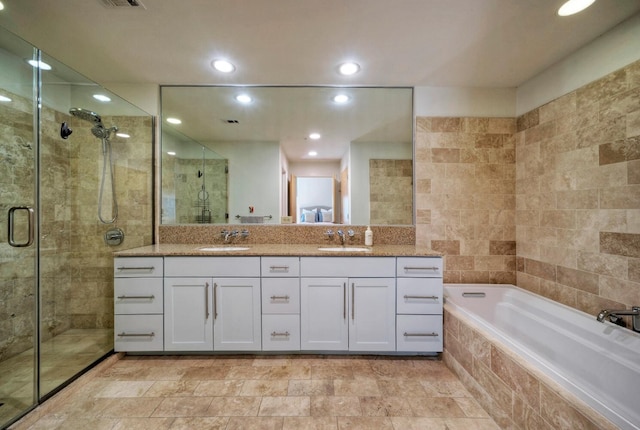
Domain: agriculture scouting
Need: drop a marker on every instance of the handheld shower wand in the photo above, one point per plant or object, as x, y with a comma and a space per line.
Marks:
103, 133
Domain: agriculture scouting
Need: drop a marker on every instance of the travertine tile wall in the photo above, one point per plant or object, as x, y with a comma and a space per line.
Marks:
465, 196
578, 195
17, 301
90, 293
391, 191
76, 267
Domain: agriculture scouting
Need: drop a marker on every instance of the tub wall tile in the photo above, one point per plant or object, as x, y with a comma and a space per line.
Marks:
472, 171
577, 198
518, 379
555, 410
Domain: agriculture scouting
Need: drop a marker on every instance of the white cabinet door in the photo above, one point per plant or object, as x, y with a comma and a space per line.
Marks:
323, 314
372, 314
187, 314
236, 314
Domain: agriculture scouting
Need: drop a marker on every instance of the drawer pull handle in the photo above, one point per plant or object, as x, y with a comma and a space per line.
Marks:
279, 268
421, 297
121, 268
280, 298
407, 268
275, 333
433, 334
151, 297
123, 334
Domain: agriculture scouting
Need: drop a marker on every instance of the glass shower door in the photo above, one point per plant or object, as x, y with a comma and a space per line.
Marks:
18, 257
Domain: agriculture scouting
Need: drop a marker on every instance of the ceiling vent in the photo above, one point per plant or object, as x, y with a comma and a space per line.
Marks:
123, 3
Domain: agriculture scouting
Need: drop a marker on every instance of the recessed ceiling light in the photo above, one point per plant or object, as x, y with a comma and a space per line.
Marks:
123, 135
171, 153
174, 121
341, 98
223, 66
4, 99
349, 68
314, 136
244, 98
312, 153
39, 64
1, 6
101, 97
574, 6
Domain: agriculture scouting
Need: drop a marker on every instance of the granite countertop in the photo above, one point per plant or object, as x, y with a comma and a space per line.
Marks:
274, 250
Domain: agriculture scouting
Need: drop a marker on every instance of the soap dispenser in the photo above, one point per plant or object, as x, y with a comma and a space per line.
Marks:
368, 237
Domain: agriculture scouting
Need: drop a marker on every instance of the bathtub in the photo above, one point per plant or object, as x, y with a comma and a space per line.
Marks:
597, 363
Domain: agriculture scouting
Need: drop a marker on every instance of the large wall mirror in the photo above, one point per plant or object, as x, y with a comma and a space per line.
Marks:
274, 155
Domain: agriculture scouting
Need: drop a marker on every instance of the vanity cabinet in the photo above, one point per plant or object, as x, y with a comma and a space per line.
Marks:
236, 314
342, 312
419, 304
138, 304
212, 304
187, 314
280, 303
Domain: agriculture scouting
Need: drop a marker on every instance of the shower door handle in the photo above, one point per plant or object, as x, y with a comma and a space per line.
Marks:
30, 218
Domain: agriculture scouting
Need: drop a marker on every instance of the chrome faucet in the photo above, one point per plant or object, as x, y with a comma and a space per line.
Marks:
633, 312
228, 234
343, 235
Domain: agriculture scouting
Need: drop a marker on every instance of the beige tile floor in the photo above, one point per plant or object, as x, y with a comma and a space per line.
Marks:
61, 357
276, 392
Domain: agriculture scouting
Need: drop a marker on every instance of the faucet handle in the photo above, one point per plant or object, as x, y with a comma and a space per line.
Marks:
329, 233
351, 233
244, 233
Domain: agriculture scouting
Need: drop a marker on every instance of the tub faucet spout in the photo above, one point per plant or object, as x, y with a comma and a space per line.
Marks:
633, 312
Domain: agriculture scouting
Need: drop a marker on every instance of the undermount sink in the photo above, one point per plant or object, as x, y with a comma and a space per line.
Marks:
223, 248
344, 249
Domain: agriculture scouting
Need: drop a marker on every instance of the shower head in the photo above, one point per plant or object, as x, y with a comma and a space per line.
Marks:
101, 132
86, 115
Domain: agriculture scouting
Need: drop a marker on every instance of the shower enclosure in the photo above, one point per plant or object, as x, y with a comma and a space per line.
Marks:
56, 270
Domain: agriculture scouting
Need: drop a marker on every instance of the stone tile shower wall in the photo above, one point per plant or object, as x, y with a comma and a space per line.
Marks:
89, 295
17, 301
465, 196
578, 195
76, 266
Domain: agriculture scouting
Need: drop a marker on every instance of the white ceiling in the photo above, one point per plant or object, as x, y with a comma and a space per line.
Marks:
460, 43
408, 43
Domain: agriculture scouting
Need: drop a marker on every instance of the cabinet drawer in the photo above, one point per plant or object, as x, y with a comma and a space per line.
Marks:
352, 267
419, 333
212, 266
136, 267
138, 333
280, 296
419, 296
138, 296
280, 332
280, 266
419, 267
